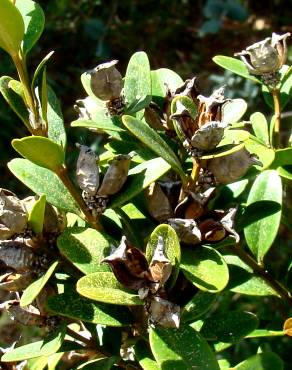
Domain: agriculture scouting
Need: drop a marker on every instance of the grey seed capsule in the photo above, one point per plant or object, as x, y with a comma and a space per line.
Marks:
87, 171
164, 313
24, 316
158, 204
160, 266
187, 230
17, 255
12, 282
231, 167
208, 136
106, 81
116, 175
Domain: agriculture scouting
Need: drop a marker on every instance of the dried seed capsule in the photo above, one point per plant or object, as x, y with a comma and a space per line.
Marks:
231, 167
87, 172
187, 230
16, 282
164, 313
212, 231
228, 223
208, 136
116, 175
13, 217
158, 204
17, 255
28, 317
106, 81
160, 266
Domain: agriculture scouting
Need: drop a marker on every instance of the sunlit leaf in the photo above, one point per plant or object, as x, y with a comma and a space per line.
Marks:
260, 127
261, 361
37, 214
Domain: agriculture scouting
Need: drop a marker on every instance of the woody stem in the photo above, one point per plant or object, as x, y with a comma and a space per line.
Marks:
277, 116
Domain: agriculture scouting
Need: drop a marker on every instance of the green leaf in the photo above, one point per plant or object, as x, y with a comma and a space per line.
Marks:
41, 151
285, 172
100, 364
283, 157
33, 290
101, 122
152, 139
261, 333
222, 151
205, 268
37, 363
161, 79
260, 127
234, 137
14, 100
104, 287
181, 349
34, 22
45, 347
242, 279
261, 234
261, 361
233, 110
40, 68
85, 247
11, 28
234, 65
229, 327
198, 306
43, 181
137, 88
171, 247
56, 129
265, 155
145, 359
71, 304
139, 178
37, 215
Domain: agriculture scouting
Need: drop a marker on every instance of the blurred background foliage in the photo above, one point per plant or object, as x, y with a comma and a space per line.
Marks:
182, 35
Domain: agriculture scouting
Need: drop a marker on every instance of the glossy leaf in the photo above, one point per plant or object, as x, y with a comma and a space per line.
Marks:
41, 151
14, 100
234, 137
40, 68
233, 110
152, 139
181, 349
72, 305
11, 28
101, 122
37, 214
196, 265
285, 172
264, 154
283, 157
234, 65
223, 150
85, 247
145, 359
45, 347
261, 361
100, 364
242, 279
34, 21
137, 88
139, 178
198, 306
171, 247
260, 235
229, 327
43, 181
56, 129
33, 290
260, 127
104, 287
161, 79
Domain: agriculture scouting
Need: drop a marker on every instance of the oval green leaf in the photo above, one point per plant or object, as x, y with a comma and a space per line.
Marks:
11, 28
152, 139
33, 290
34, 21
264, 154
261, 234
181, 349
229, 327
37, 214
137, 88
261, 361
144, 357
234, 65
198, 306
161, 79
139, 178
45, 347
43, 181
171, 247
85, 247
56, 129
41, 151
104, 287
260, 127
233, 110
100, 364
205, 268
71, 304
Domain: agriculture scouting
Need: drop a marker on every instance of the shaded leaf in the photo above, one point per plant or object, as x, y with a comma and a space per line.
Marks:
181, 349
260, 127
260, 235
261, 361
33, 290
145, 359
84, 247
41, 151
100, 364
37, 214
104, 287
43, 181
198, 306
56, 129
196, 265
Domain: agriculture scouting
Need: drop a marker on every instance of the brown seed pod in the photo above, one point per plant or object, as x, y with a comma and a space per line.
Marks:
228, 223
160, 266
158, 204
163, 313
187, 230
231, 167
26, 316
87, 172
208, 136
17, 255
116, 175
106, 81
212, 231
13, 282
